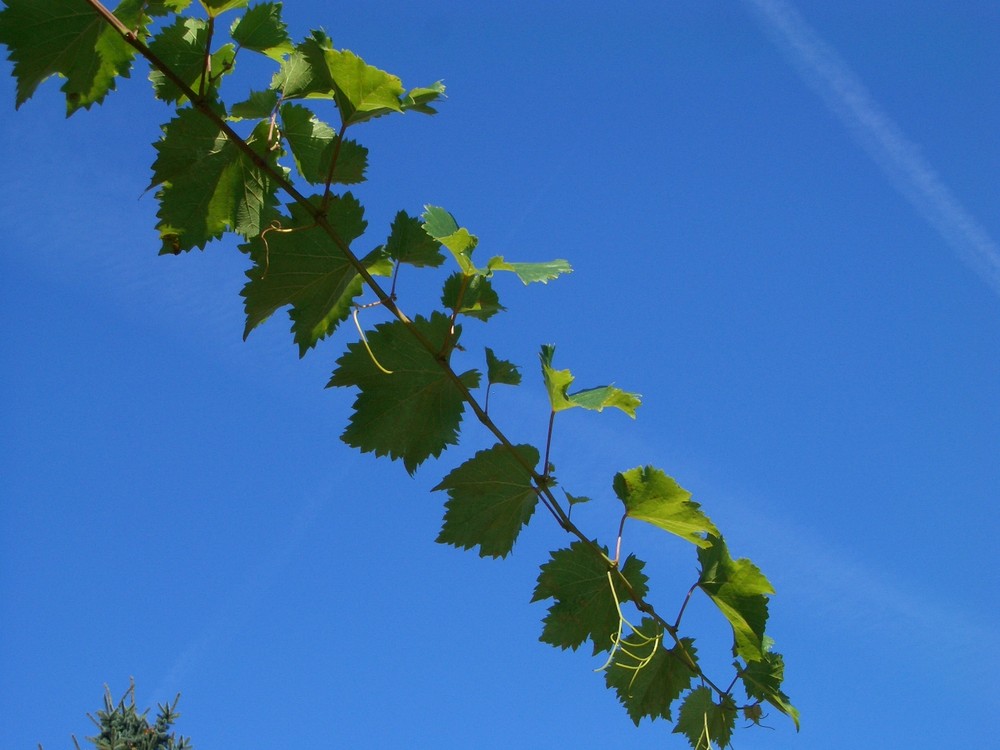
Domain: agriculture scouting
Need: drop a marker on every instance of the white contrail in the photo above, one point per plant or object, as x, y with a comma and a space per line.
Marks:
898, 157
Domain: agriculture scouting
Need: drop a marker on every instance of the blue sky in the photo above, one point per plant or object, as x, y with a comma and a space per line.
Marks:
783, 224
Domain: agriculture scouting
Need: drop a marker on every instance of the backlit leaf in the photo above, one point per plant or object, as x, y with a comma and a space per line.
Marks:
207, 184
304, 73
650, 495
500, 370
491, 498
707, 725
471, 295
442, 226
261, 29
577, 578
69, 39
762, 680
298, 264
557, 384
313, 144
181, 47
413, 413
529, 272
647, 676
409, 243
362, 91
740, 591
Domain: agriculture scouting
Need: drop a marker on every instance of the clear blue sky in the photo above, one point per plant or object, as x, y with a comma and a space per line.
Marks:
784, 231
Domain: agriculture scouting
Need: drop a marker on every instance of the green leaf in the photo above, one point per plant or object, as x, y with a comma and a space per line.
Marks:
491, 498
304, 74
650, 495
529, 272
442, 226
261, 29
762, 680
362, 91
413, 413
218, 7
740, 591
258, 105
585, 606
557, 384
576, 500
419, 99
67, 38
298, 264
409, 243
313, 143
500, 371
647, 676
181, 47
208, 185
471, 295
705, 723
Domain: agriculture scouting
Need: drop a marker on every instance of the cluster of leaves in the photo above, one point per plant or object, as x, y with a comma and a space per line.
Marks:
122, 727
219, 168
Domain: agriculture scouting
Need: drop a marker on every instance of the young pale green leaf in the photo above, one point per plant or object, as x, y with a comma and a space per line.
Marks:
414, 412
216, 8
762, 680
68, 38
362, 91
500, 371
650, 495
165, 7
557, 384
419, 99
208, 185
647, 676
471, 295
313, 144
529, 272
181, 46
740, 591
297, 263
442, 226
706, 724
409, 243
257, 106
576, 500
491, 498
586, 605
304, 73
261, 29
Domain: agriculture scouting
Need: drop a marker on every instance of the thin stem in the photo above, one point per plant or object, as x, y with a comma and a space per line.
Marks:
677, 622
548, 444
618, 546
333, 166
207, 72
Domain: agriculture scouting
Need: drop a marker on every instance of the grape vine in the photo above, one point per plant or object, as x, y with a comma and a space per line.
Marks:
219, 168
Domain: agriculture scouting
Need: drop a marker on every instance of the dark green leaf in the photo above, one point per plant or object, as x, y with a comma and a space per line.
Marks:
313, 144
705, 723
585, 607
491, 497
208, 185
257, 106
650, 495
298, 264
529, 272
261, 29
181, 47
646, 675
69, 39
762, 680
409, 243
557, 384
501, 371
740, 591
413, 413
471, 295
